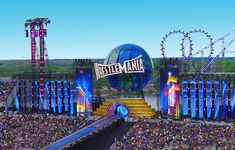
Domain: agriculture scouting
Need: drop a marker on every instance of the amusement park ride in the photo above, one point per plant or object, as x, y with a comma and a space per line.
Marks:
185, 63
187, 59
216, 102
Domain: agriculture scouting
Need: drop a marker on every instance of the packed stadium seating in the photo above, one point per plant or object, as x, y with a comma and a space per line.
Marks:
5, 90
177, 135
36, 131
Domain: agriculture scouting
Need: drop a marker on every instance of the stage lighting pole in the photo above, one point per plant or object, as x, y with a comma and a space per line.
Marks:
41, 62
33, 35
42, 33
39, 23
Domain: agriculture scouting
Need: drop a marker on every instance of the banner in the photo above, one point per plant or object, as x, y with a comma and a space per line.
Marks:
129, 66
169, 90
84, 90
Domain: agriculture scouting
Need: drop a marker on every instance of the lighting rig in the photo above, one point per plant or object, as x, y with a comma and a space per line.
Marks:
37, 29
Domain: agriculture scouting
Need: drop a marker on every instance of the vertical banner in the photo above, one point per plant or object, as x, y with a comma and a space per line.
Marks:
224, 100
233, 101
71, 98
200, 96
229, 115
66, 106
185, 98
204, 101
24, 95
193, 98
169, 91
212, 100
84, 89
35, 94
19, 94
216, 100
41, 97
28, 94
53, 97
59, 96
47, 95
208, 98
17, 98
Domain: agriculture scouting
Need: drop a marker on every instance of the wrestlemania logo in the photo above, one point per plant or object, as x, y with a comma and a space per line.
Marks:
129, 66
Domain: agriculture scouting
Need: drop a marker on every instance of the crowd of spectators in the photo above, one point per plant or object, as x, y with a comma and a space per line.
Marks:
5, 90
161, 134
37, 131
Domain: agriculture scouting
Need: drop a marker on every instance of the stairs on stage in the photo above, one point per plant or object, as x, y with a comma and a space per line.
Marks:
137, 107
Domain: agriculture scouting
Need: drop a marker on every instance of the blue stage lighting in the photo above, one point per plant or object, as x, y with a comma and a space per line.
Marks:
122, 110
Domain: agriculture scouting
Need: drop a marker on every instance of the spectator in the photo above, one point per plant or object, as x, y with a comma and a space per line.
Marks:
176, 135
5, 90
37, 131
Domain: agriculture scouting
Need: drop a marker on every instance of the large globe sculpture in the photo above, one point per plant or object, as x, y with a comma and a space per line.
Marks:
129, 81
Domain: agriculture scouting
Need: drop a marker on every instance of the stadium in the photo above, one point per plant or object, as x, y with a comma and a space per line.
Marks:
128, 99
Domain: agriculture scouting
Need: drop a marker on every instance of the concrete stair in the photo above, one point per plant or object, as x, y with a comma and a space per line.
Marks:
137, 107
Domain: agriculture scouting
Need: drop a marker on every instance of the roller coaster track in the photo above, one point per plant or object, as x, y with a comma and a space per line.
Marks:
185, 59
210, 62
213, 59
185, 36
203, 32
214, 42
207, 64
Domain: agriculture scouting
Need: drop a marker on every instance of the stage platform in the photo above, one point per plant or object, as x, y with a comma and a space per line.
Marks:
65, 142
137, 107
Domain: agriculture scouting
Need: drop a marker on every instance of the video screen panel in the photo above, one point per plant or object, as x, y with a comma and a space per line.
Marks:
84, 89
169, 90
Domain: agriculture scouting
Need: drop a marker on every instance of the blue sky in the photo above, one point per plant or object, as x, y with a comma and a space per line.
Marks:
91, 28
